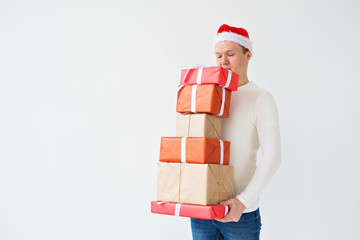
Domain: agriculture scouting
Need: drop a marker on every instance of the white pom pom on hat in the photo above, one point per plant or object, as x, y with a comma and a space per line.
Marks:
234, 34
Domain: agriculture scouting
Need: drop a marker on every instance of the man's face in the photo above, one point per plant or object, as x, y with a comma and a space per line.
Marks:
230, 55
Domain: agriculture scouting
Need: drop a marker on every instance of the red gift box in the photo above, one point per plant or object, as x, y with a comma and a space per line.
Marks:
190, 210
210, 75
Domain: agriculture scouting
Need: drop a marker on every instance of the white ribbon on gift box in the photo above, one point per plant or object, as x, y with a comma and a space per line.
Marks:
221, 151
228, 79
222, 102
183, 150
226, 209
193, 98
177, 209
199, 76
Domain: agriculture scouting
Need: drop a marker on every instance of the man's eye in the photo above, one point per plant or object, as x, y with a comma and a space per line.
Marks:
230, 55
218, 56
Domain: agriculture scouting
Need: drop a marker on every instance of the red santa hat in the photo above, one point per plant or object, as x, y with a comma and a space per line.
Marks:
234, 34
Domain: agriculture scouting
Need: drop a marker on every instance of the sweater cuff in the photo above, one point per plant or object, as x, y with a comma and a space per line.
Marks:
241, 199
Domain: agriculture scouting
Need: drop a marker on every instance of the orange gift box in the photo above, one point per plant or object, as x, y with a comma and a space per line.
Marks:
207, 98
194, 150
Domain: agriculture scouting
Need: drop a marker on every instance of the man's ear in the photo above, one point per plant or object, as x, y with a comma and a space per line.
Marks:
248, 56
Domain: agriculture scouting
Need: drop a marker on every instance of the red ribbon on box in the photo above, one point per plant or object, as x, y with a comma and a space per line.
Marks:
190, 210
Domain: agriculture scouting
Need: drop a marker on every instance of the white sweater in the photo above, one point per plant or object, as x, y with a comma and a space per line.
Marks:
253, 122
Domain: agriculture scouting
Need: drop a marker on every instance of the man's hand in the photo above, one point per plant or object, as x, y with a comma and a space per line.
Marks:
236, 208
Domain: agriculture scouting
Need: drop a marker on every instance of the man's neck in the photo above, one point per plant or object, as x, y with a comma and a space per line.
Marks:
243, 80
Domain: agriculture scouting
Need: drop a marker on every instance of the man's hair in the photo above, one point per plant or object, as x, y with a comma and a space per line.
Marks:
244, 50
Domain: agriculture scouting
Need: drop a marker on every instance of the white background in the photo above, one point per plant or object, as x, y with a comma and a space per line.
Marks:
87, 88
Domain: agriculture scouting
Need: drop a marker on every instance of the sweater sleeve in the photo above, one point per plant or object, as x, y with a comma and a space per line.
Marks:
267, 125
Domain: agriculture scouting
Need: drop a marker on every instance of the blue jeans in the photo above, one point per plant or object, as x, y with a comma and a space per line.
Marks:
247, 228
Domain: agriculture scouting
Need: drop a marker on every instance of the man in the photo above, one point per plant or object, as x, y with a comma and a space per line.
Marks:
253, 122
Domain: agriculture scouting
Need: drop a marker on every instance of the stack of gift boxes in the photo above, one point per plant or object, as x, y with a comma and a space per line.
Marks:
194, 174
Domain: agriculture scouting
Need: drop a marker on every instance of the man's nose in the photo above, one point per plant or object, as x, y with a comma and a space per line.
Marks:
224, 61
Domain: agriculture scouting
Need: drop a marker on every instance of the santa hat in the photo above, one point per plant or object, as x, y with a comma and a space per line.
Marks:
234, 34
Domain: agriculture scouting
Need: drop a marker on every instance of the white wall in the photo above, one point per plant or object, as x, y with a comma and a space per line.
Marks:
87, 88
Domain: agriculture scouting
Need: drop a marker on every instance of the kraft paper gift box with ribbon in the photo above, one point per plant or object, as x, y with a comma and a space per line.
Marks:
208, 98
198, 125
202, 184
190, 210
194, 150
210, 75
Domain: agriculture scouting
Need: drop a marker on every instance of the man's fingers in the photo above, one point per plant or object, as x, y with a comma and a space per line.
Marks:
234, 211
227, 218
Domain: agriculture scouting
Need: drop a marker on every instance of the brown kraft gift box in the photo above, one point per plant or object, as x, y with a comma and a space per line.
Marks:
203, 184
198, 125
